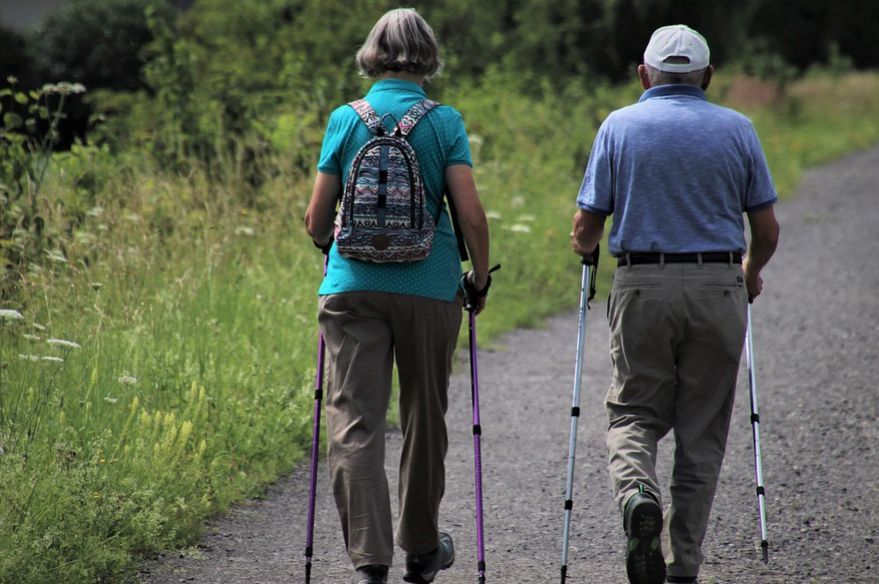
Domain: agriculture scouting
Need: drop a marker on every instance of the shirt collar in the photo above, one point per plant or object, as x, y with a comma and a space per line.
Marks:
397, 84
673, 90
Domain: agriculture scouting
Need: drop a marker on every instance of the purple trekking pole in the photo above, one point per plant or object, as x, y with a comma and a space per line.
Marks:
470, 295
315, 447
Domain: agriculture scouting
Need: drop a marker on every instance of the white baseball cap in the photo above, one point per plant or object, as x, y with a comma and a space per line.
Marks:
677, 49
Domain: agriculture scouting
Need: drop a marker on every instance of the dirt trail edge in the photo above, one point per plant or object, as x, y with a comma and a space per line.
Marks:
817, 356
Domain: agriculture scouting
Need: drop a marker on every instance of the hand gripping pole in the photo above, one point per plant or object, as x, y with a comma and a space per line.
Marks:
315, 450
587, 292
470, 307
755, 427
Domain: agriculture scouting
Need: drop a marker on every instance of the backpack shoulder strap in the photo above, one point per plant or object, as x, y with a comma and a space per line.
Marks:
414, 115
368, 115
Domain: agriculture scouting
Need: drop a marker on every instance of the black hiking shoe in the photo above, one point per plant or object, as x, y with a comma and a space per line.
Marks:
643, 523
422, 568
370, 575
681, 579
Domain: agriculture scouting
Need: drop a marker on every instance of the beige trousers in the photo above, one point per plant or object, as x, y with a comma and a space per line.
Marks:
677, 332
365, 333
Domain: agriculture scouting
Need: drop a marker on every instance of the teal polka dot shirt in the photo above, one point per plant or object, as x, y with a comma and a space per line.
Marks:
439, 141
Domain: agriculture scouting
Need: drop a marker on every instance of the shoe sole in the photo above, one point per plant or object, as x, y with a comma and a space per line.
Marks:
422, 579
428, 578
644, 561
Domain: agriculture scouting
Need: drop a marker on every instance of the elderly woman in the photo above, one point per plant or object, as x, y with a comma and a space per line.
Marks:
375, 314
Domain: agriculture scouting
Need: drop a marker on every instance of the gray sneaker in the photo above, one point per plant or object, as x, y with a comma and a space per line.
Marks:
423, 568
370, 575
643, 522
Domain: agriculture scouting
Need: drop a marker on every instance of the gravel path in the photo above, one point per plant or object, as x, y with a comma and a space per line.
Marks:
816, 339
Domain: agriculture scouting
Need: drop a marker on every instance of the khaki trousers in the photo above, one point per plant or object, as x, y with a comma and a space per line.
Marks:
365, 333
677, 332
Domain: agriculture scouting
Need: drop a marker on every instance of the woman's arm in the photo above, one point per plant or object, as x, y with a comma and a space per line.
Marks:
322, 208
472, 221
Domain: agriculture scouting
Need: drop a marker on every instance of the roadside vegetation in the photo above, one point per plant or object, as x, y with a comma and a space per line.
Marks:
157, 298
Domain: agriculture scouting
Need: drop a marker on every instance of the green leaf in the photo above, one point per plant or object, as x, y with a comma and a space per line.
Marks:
5, 91
44, 112
30, 124
35, 95
12, 121
21, 98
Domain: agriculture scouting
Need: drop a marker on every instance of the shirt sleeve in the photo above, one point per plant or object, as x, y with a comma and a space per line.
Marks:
459, 145
761, 190
596, 190
330, 152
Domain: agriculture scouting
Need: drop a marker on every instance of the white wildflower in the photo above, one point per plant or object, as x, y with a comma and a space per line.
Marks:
64, 88
245, 230
517, 201
127, 379
95, 211
10, 314
52, 359
110, 400
25, 357
56, 256
526, 218
31, 337
133, 217
39, 327
96, 286
475, 139
64, 343
518, 228
493, 215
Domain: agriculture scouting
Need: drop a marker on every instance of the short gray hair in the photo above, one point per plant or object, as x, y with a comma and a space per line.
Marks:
658, 77
401, 40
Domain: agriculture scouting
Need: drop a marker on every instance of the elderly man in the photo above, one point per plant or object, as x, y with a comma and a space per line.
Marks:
677, 173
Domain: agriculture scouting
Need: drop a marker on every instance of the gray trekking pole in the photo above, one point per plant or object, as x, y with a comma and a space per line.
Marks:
315, 442
587, 293
755, 427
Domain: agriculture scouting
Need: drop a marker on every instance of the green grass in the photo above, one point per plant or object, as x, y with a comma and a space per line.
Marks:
194, 315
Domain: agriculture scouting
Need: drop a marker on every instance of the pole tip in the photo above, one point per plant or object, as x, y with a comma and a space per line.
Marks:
764, 545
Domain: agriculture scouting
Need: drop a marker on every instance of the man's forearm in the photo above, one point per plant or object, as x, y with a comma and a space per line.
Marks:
586, 232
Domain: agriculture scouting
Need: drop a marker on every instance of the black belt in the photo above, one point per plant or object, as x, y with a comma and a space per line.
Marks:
711, 257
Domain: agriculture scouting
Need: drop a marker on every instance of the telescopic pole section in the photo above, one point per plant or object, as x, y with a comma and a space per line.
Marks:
315, 449
755, 427
477, 449
470, 298
575, 415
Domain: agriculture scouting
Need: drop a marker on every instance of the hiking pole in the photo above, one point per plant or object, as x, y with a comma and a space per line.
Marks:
587, 293
470, 296
315, 442
755, 427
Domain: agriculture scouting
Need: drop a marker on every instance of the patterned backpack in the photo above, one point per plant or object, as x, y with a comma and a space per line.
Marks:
383, 215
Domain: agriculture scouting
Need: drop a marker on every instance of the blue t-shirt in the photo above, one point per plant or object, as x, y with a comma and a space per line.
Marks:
439, 141
677, 173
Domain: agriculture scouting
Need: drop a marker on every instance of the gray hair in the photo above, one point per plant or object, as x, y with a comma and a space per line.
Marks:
401, 40
658, 77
